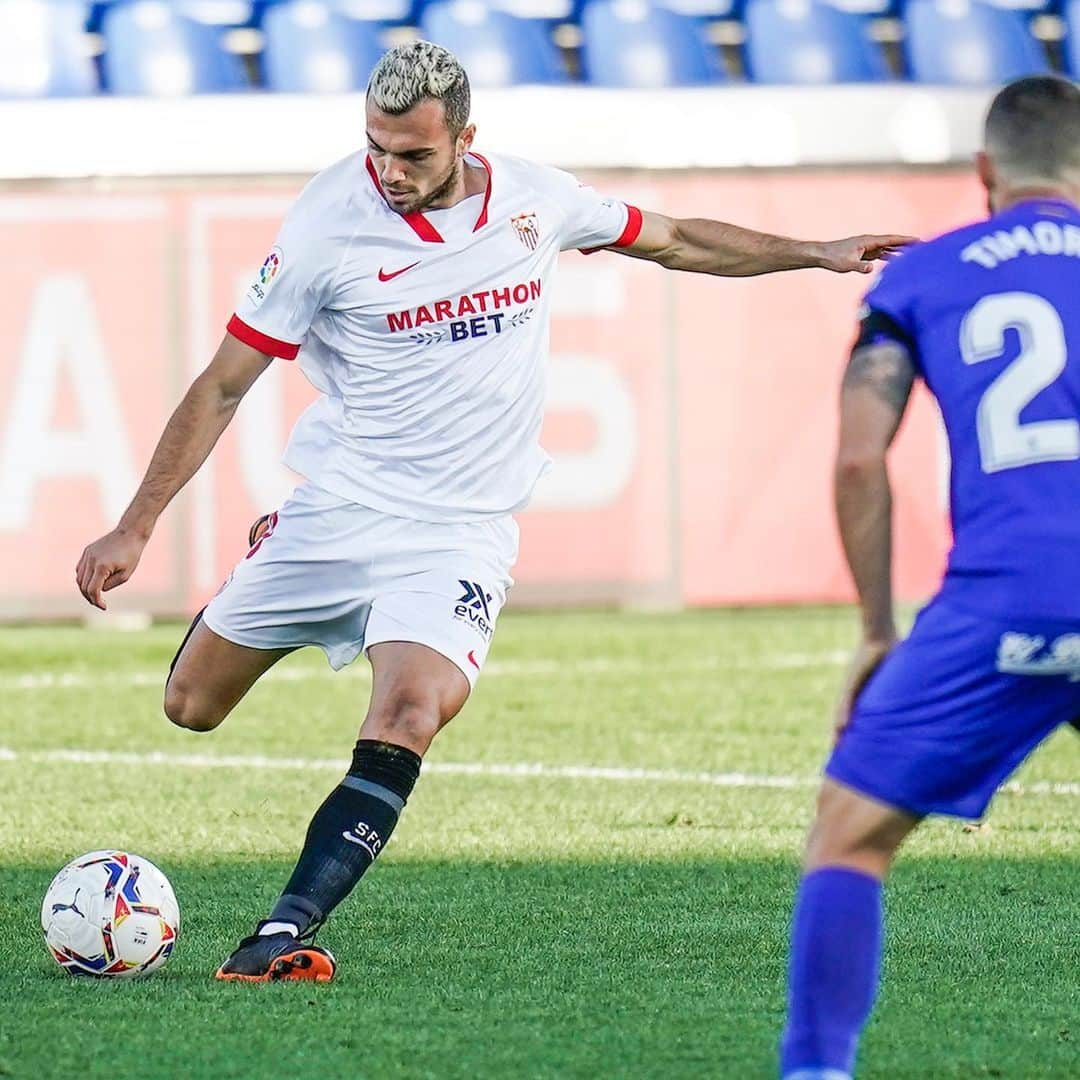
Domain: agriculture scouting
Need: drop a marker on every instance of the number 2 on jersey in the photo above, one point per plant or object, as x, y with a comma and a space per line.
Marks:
1004, 442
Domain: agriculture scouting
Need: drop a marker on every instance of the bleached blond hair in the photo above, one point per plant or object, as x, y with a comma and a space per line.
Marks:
408, 74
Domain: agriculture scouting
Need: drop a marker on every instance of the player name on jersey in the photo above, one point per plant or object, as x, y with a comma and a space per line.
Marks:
1043, 238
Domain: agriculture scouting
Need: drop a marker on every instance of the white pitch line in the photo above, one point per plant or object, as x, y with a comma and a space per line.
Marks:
512, 770
517, 770
83, 680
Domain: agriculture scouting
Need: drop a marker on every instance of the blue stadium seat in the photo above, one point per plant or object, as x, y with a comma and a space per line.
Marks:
373, 11
554, 11
216, 12
865, 7
1030, 7
969, 43
807, 42
309, 47
43, 49
212, 12
703, 9
1072, 39
152, 50
639, 43
496, 49
97, 13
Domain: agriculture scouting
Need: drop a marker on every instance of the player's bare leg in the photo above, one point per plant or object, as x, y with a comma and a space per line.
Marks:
854, 831
415, 692
210, 675
837, 931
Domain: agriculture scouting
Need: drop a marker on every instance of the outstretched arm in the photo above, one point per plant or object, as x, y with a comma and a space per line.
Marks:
188, 438
873, 397
713, 247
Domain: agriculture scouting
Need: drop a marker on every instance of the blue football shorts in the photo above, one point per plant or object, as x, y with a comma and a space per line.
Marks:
956, 707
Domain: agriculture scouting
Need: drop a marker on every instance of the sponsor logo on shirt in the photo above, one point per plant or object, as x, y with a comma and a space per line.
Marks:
384, 276
269, 270
472, 608
471, 315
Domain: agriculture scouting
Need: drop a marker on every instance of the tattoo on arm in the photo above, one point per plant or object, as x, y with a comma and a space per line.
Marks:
884, 367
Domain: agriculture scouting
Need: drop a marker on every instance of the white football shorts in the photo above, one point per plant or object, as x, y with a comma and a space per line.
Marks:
345, 577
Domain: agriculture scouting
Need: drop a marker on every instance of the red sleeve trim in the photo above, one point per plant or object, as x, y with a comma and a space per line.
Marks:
263, 342
633, 227
630, 232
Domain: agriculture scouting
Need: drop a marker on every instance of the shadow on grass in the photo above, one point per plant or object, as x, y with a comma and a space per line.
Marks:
558, 969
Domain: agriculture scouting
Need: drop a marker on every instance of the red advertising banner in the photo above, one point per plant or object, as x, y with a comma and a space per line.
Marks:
692, 419
88, 375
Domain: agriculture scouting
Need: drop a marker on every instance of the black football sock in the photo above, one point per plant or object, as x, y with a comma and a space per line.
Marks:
350, 828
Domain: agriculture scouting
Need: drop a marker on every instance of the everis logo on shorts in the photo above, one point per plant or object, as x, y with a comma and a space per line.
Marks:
473, 609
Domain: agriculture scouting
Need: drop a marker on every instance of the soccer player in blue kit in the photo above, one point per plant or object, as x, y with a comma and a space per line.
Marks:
989, 317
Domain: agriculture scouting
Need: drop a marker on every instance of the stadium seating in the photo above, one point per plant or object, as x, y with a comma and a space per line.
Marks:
809, 42
152, 50
497, 49
969, 43
43, 49
175, 47
639, 43
309, 47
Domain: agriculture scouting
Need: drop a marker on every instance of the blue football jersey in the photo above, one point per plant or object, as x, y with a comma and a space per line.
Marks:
991, 316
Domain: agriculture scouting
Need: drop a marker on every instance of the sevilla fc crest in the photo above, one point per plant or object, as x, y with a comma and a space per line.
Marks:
527, 229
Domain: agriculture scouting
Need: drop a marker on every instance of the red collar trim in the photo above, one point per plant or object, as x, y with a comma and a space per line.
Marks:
481, 221
418, 222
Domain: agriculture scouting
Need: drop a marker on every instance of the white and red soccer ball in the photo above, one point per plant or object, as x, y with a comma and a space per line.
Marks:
110, 914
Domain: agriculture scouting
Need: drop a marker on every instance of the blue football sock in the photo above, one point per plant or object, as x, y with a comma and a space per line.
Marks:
835, 958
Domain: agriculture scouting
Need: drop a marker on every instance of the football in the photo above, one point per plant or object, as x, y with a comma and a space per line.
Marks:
110, 914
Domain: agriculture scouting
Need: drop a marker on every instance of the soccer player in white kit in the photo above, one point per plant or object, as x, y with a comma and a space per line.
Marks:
412, 282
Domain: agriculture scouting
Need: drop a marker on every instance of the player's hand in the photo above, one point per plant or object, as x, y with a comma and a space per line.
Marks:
859, 253
108, 562
867, 659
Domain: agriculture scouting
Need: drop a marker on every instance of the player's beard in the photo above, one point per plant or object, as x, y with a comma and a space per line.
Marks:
440, 191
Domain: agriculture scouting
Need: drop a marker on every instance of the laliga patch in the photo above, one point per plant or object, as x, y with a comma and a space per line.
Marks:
267, 275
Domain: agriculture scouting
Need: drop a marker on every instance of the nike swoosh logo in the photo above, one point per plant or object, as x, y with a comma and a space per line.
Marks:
384, 276
472, 660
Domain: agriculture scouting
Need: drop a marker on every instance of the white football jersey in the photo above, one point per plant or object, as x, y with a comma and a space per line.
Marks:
426, 333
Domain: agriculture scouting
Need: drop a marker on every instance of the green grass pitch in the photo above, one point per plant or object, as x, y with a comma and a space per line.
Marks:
556, 922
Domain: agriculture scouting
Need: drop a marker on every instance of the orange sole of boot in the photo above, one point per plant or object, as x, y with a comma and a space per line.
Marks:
301, 965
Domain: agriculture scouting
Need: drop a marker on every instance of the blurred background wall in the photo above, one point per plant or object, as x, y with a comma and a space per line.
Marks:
150, 149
